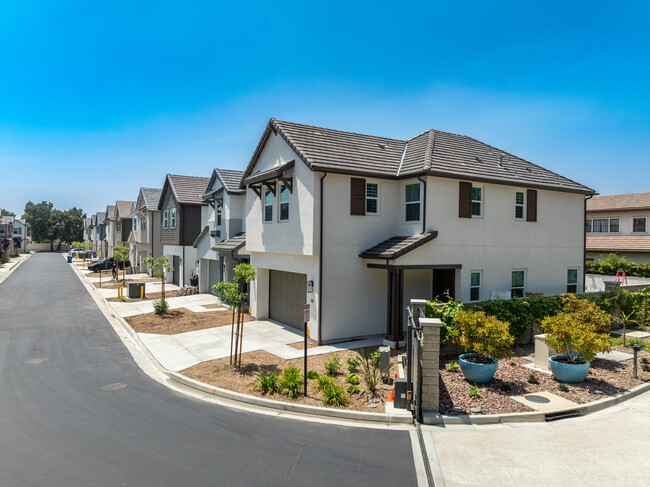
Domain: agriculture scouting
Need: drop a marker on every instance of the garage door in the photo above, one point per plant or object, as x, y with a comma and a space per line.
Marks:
213, 274
288, 295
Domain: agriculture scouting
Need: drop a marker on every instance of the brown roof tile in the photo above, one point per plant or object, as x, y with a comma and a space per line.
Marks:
631, 201
618, 243
395, 247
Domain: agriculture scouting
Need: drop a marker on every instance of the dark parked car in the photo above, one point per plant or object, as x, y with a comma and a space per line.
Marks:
107, 264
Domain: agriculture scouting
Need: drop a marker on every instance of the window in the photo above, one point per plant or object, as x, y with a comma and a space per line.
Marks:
519, 205
518, 286
143, 224
18, 231
600, 225
372, 198
613, 225
166, 219
477, 201
475, 286
268, 206
284, 203
412, 201
118, 225
172, 218
572, 280
588, 226
219, 210
2, 229
638, 224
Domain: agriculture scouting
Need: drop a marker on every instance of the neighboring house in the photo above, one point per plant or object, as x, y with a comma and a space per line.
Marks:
146, 228
87, 231
180, 207
619, 223
99, 233
356, 225
123, 222
6, 232
109, 236
20, 230
221, 243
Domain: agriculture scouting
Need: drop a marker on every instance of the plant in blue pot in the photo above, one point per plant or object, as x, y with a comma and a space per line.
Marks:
486, 339
578, 333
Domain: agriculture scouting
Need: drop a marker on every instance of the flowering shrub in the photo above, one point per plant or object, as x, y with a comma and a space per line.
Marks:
484, 335
579, 331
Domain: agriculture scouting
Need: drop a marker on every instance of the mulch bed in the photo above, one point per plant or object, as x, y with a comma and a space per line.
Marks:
301, 345
180, 321
610, 378
148, 297
220, 374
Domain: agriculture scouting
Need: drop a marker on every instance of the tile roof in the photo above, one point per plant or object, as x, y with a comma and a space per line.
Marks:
7, 220
432, 152
151, 197
631, 201
395, 247
124, 209
618, 243
233, 244
231, 180
186, 189
110, 212
101, 216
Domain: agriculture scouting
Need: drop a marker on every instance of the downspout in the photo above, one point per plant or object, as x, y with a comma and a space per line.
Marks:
424, 202
584, 247
320, 264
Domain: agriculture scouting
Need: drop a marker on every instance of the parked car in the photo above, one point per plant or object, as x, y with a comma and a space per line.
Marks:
107, 264
76, 252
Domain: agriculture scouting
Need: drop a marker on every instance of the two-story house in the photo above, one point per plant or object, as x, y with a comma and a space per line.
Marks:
221, 244
146, 228
109, 237
356, 225
619, 223
6, 235
180, 204
20, 230
99, 233
123, 222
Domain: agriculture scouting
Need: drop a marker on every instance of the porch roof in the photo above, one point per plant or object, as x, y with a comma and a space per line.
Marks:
395, 247
232, 244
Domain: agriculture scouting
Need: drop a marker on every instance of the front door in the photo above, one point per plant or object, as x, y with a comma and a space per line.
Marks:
444, 281
176, 264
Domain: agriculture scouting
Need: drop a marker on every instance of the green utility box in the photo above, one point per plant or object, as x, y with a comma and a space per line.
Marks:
134, 290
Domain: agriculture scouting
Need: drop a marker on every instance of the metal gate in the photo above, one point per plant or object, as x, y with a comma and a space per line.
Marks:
414, 362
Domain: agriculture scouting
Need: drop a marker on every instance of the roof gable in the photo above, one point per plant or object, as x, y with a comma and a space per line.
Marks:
124, 209
188, 190
230, 180
110, 212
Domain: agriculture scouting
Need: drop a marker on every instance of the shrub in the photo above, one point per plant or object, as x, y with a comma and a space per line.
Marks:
578, 331
646, 367
532, 379
630, 342
505, 386
354, 389
370, 371
452, 366
352, 379
290, 381
160, 306
644, 360
267, 383
333, 364
513, 363
323, 382
446, 313
474, 392
353, 365
335, 396
563, 388
312, 374
484, 335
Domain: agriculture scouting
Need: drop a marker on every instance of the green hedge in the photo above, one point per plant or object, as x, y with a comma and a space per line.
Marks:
613, 263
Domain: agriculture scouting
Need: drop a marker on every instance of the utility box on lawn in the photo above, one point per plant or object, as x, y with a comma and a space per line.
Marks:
134, 290
399, 401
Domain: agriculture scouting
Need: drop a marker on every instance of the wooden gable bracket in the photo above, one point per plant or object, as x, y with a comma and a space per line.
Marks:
271, 186
288, 182
257, 188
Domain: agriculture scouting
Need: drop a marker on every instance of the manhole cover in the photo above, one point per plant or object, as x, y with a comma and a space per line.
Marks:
374, 400
372, 405
537, 399
36, 361
476, 410
116, 386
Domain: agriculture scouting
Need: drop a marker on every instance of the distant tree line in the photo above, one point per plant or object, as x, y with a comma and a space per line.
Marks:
48, 223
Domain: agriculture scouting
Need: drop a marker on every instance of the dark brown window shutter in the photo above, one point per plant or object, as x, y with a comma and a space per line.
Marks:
531, 205
465, 200
357, 196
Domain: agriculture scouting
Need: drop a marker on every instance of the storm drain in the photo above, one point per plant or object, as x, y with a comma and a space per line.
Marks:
115, 386
562, 415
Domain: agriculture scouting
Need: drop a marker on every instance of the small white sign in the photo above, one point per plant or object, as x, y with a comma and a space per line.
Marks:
306, 313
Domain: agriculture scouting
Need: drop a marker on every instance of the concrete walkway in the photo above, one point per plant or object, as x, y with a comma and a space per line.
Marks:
605, 448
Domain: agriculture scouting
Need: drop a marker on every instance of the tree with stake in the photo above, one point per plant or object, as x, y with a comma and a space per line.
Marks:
121, 254
160, 267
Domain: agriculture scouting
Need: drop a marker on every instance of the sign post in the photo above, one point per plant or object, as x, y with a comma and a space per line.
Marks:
306, 309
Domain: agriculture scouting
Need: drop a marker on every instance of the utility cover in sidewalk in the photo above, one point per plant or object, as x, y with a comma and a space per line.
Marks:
544, 401
615, 356
631, 333
36, 361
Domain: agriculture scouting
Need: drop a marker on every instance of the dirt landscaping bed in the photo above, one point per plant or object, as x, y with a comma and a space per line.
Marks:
219, 373
180, 321
606, 378
148, 297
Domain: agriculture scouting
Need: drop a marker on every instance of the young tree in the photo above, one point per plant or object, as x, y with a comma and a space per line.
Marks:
18, 241
160, 267
232, 294
121, 254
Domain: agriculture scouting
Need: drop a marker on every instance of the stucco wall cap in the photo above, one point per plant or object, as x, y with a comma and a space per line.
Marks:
430, 322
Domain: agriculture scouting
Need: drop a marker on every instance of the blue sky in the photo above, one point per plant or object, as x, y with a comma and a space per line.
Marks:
100, 98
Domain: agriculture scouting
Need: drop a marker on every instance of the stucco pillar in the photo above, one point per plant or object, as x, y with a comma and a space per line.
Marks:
429, 364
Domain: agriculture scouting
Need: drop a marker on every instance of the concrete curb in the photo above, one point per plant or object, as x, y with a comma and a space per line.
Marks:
10, 271
245, 398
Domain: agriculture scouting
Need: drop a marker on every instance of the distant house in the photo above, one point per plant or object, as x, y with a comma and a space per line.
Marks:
146, 228
123, 222
180, 205
20, 230
99, 232
109, 234
6, 235
355, 225
221, 245
619, 223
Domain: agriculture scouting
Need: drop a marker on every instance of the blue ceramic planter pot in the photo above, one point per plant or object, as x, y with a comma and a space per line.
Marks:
565, 372
477, 373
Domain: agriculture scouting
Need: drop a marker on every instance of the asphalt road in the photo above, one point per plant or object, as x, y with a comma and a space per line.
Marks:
59, 426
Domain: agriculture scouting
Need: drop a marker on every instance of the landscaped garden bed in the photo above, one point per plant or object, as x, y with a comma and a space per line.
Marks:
180, 320
147, 297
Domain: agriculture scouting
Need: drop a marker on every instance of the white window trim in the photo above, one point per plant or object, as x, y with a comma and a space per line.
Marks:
280, 203
264, 205
577, 283
218, 214
641, 218
482, 201
523, 206
166, 219
419, 202
480, 285
378, 212
173, 211
525, 281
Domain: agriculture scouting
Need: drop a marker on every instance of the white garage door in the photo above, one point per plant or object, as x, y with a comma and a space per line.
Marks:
288, 295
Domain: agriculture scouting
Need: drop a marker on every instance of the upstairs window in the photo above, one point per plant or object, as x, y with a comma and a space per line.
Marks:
588, 226
268, 206
166, 219
118, 225
172, 218
219, 209
475, 286
613, 225
143, 224
412, 200
638, 224
18, 231
477, 201
572, 280
372, 198
518, 284
284, 203
519, 205
600, 225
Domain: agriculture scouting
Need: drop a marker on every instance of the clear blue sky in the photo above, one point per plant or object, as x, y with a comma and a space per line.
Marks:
100, 98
